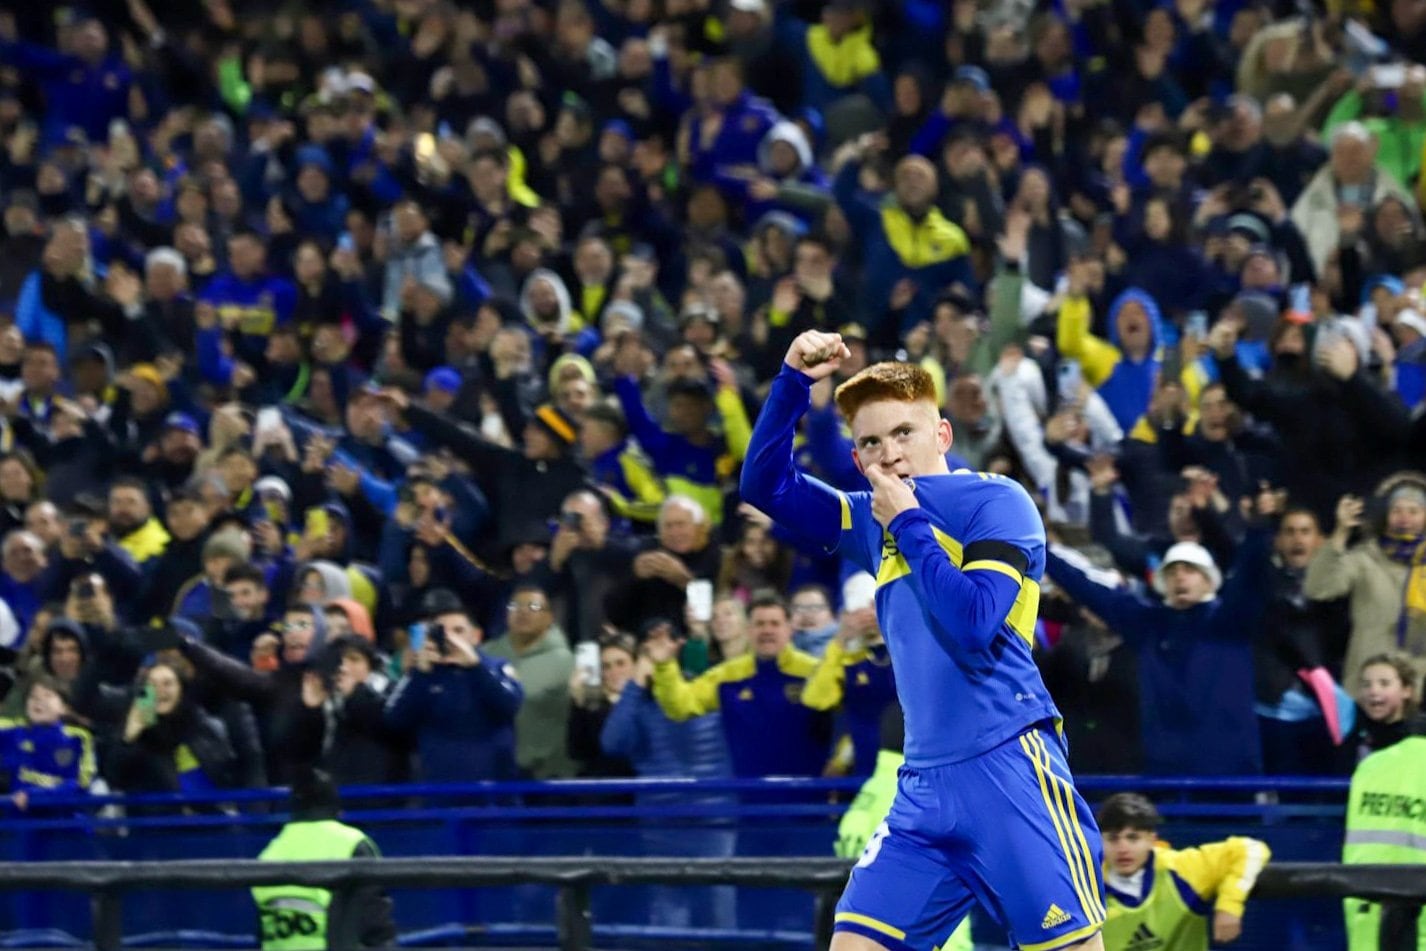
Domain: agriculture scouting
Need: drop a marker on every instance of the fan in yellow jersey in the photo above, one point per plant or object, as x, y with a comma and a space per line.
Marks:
1163, 899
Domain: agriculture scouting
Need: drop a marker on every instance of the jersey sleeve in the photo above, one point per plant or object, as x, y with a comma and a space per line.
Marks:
860, 534
1006, 533
1223, 872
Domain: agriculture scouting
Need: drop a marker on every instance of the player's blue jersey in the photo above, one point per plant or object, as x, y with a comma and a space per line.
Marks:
959, 701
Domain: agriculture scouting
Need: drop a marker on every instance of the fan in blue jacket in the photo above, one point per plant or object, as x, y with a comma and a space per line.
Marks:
458, 702
1194, 649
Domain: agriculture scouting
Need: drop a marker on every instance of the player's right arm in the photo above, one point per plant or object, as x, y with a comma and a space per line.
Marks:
771, 481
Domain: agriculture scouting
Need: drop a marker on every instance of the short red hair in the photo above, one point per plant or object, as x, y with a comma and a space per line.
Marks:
903, 382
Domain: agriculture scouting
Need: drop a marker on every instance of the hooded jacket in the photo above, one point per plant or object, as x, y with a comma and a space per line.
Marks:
566, 322
1125, 383
804, 191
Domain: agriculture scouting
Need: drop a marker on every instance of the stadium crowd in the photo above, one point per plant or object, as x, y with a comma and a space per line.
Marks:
375, 375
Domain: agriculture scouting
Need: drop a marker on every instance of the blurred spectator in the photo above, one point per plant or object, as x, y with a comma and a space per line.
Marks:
1375, 575
1093, 674
40, 754
1386, 701
537, 649
683, 552
1186, 658
1294, 656
589, 560
457, 702
769, 732
169, 743
132, 522
814, 624
854, 674
286, 695
591, 705
365, 750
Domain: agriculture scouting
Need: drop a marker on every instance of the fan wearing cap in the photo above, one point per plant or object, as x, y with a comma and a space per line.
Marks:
525, 486
1194, 649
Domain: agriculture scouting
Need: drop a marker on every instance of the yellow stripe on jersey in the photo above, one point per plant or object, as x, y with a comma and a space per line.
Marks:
852, 918
1000, 567
1025, 610
1023, 613
1064, 799
846, 512
1076, 868
1063, 941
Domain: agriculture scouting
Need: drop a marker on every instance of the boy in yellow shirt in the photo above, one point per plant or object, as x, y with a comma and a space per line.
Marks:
1167, 899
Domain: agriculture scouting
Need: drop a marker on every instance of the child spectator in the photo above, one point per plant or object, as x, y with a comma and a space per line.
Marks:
40, 753
1178, 897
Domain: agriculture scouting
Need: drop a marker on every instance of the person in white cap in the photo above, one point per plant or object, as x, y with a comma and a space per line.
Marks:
1194, 648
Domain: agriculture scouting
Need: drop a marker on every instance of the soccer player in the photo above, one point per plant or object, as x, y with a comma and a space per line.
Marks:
985, 809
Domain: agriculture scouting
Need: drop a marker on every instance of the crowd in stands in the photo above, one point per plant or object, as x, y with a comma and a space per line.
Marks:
375, 375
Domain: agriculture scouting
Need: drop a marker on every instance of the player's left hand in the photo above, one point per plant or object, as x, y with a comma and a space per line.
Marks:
889, 495
1226, 927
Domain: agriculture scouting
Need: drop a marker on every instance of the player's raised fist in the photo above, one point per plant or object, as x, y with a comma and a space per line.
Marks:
817, 354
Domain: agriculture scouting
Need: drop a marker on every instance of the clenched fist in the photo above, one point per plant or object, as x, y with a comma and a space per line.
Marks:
817, 354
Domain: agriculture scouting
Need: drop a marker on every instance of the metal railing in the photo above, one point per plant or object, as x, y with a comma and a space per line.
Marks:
108, 882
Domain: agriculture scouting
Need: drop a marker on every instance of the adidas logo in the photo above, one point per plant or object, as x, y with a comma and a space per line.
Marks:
1143, 940
1055, 917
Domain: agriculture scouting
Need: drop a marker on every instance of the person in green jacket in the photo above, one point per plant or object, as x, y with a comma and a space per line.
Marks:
865, 819
1386, 824
539, 651
1396, 117
300, 918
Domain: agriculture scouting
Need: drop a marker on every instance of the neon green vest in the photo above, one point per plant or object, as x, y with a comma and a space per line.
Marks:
294, 917
1162, 922
1386, 824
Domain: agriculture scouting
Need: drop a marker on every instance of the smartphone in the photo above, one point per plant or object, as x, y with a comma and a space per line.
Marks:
436, 634
1070, 379
586, 661
145, 702
416, 636
1388, 75
269, 418
85, 590
1196, 325
222, 604
573, 520
858, 592
78, 527
700, 600
345, 242
425, 146
441, 514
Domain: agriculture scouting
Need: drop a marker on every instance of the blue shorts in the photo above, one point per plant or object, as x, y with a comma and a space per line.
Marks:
1006, 829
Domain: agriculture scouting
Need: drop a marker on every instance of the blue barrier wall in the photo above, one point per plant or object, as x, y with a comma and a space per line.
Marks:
1300, 820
